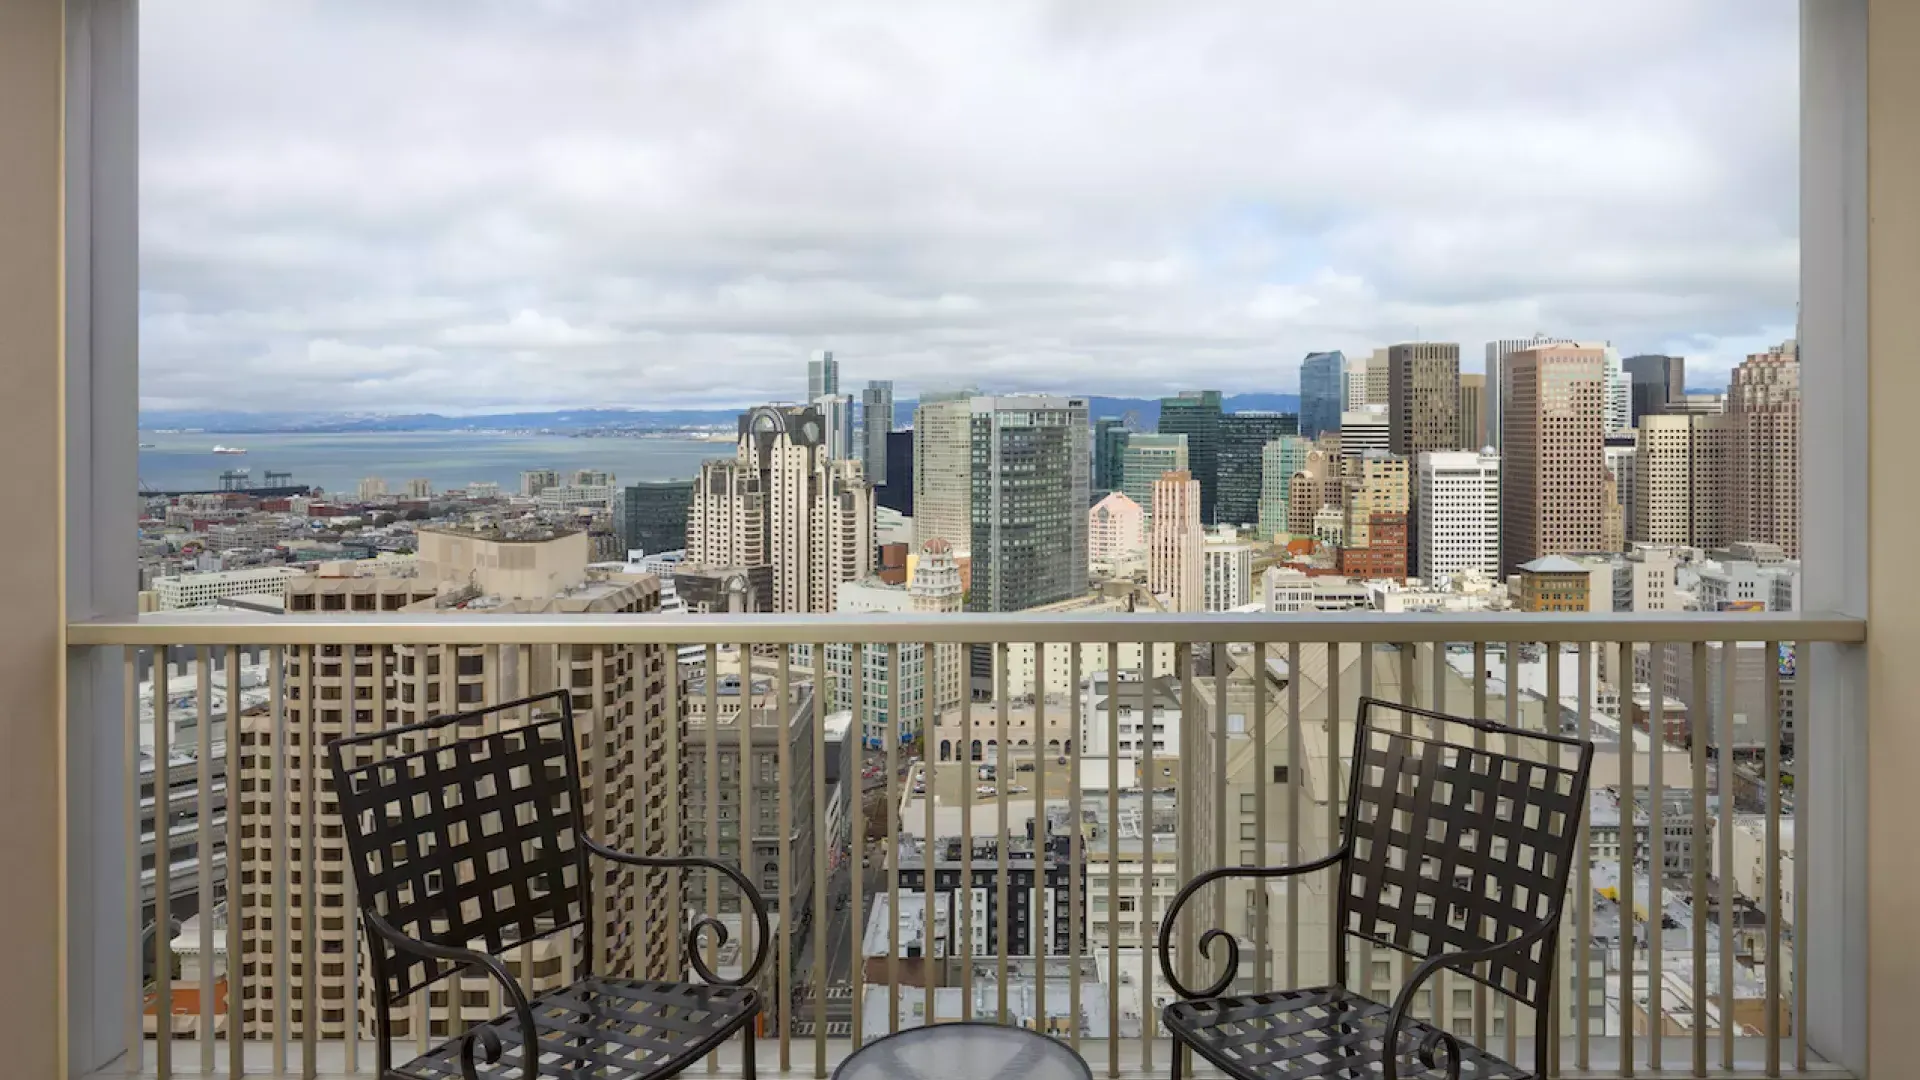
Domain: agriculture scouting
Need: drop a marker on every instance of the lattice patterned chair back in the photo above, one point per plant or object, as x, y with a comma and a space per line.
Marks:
1457, 845
473, 840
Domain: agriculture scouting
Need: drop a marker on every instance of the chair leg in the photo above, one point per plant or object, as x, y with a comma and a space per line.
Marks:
746, 1055
1179, 1059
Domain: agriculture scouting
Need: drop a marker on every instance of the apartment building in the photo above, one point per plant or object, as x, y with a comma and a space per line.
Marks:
730, 750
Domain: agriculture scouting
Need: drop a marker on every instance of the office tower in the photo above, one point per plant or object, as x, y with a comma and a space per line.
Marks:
896, 492
1459, 498
823, 376
1355, 399
783, 502
1279, 460
1379, 377
1116, 535
936, 589
836, 413
1323, 392
652, 516
1497, 353
1226, 571
1653, 383
943, 471
371, 488
1375, 491
1196, 414
535, 481
1613, 521
1031, 472
1681, 466
1423, 397
420, 488
1618, 389
749, 811
1313, 487
1365, 430
1243, 438
1619, 452
1473, 412
1174, 566
627, 774
876, 421
1109, 442
1553, 428
1147, 457
1763, 401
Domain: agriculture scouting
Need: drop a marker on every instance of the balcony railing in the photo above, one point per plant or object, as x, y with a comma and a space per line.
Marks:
1074, 772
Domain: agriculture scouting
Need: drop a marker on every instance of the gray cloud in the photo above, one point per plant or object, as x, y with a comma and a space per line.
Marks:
465, 206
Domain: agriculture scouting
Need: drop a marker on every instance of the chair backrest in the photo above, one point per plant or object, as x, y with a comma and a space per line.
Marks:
1455, 846
465, 841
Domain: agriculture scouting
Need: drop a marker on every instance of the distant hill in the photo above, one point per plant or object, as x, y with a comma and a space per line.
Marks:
1146, 410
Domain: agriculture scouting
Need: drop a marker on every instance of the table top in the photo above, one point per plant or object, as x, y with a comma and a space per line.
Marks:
964, 1051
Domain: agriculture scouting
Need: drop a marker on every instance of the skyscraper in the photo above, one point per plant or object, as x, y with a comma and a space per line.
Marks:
651, 516
1031, 471
1654, 382
1681, 466
943, 471
1554, 422
1279, 460
823, 375
896, 491
1423, 397
1379, 368
1763, 401
1177, 543
1497, 353
1109, 441
1243, 437
1473, 412
836, 414
1374, 542
1459, 495
1145, 458
1619, 391
1196, 414
876, 420
1364, 430
784, 502
1356, 369
1226, 564
1620, 453
1323, 392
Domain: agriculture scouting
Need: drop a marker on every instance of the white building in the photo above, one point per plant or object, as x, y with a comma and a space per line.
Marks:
1287, 590
563, 498
1226, 568
935, 588
1364, 429
1356, 383
205, 590
371, 488
1174, 572
1459, 500
1116, 536
837, 411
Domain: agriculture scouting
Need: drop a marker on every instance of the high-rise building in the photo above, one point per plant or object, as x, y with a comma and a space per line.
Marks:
1279, 460
823, 376
371, 488
1116, 535
783, 501
1145, 459
1496, 367
943, 470
876, 421
420, 488
1315, 486
896, 492
1619, 452
1459, 497
1355, 399
1653, 383
1031, 471
1109, 442
1365, 430
1681, 466
1374, 499
626, 778
651, 516
535, 481
1174, 569
1473, 412
1553, 427
1243, 438
1763, 402
749, 834
935, 589
1619, 389
1323, 392
1379, 377
836, 413
1423, 397
1226, 571
1196, 414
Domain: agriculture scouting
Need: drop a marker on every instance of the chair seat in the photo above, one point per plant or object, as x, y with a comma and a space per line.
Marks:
608, 1029
1324, 1031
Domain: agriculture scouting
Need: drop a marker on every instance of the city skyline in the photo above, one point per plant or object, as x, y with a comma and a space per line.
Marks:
603, 213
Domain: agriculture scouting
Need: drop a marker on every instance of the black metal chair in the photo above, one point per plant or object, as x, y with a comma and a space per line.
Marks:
1452, 854
483, 841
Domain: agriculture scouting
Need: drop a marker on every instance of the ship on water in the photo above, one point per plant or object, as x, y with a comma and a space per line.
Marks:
229, 449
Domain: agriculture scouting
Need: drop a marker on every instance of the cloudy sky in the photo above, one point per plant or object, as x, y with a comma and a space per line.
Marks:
466, 206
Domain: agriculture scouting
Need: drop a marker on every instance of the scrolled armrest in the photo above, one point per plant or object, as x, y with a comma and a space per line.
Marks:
1207, 939
482, 1036
1403, 1001
708, 922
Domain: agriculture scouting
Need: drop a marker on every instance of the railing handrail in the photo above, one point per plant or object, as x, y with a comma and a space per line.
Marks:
467, 628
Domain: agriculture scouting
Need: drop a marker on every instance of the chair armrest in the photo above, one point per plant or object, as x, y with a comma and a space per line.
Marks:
1466, 958
708, 922
482, 1034
1207, 939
